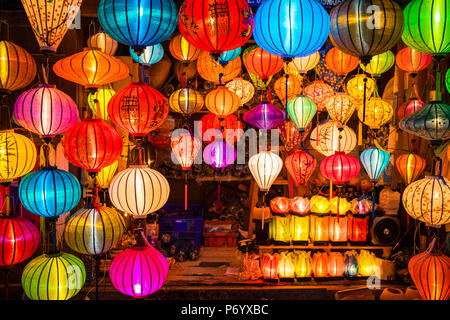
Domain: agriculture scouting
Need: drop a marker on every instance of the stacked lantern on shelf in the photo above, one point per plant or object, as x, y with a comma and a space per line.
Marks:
280, 225
300, 219
319, 219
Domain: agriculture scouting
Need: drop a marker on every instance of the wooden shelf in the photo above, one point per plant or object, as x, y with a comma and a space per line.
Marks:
386, 249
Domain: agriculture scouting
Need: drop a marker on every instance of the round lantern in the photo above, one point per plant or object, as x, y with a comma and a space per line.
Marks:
263, 63
300, 205
306, 63
331, 137
366, 28
94, 230
301, 110
427, 35
212, 127
243, 89
319, 265
105, 175
340, 62
360, 87
104, 42
281, 205
340, 107
17, 67
290, 21
447, 80
411, 60
301, 166
264, 116
410, 166
183, 50
427, 200
103, 95
336, 264
287, 86
46, 111
219, 154
340, 167
213, 71
375, 162
227, 56
185, 148
186, 101
91, 68
265, 168
138, 109
92, 144
19, 239
58, 276
138, 23
408, 107
379, 64
49, 192
222, 101
319, 92
291, 137
139, 190
17, 156
319, 204
376, 113
150, 55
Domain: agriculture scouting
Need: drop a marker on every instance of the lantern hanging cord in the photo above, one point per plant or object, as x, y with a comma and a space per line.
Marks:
91, 28
364, 99
286, 97
3, 21
220, 79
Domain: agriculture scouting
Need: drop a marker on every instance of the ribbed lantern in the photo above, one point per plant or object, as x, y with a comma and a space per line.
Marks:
138, 23
229, 55
102, 95
331, 137
219, 154
58, 276
104, 42
291, 137
139, 271
138, 109
50, 20
340, 62
49, 192
340, 167
186, 101
340, 107
19, 239
212, 127
301, 110
375, 162
183, 50
46, 111
222, 101
411, 60
17, 156
139, 190
447, 80
301, 166
213, 71
281, 26
379, 64
91, 68
289, 86
264, 116
185, 148
92, 144
262, 63
410, 166
105, 175
319, 92
243, 89
94, 230
265, 168
150, 55
360, 87
17, 67
376, 113
306, 63
408, 107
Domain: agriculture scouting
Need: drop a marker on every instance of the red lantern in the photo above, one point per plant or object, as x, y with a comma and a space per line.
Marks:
411, 60
138, 109
92, 144
300, 205
340, 167
319, 265
291, 137
300, 165
408, 107
338, 228
262, 63
212, 126
280, 205
336, 265
269, 266
358, 226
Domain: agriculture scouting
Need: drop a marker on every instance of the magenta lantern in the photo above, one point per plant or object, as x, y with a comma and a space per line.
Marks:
219, 154
340, 167
264, 116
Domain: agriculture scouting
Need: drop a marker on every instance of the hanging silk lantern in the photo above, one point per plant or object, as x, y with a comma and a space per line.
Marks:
49, 192
410, 166
286, 267
431, 122
46, 111
150, 55
319, 265
447, 80
350, 264
358, 226
104, 42
331, 137
340, 107
376, 113
222, 101
91, 68
290, 21
355, 87
185, 148
340, 167
103, 95
306, 63
92, 144
300, 165
303, 264
216, 27
340, 62
219, 154
375, 162
17, 67
336, 265
296, 137
379, 64
58, 276
319, 204
138, 109
301, 110
264, 116
94, 230
139, 190
265, 168
339, 205
412, 61
105, 175
243, 89
318, 231
426, 200
17, 156
408, 107
50, 20
19, 239
366, 263
212, 127
186, 101
364, 29
263, 63
183, 50
281, 205
287, 86
213, 71
227, 56
319, 92
257, 81
269, 266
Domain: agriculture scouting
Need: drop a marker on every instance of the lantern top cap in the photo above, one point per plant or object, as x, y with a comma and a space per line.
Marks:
139, 166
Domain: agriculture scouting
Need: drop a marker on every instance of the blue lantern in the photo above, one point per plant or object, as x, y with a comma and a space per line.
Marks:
291, 28
151, 55
375, 161
49, 192
138, 23
227, 56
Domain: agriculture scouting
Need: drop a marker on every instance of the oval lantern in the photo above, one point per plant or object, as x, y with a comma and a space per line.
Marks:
375, 162
411, 60
46, 111
150, 55
227, 56
219, 154
336, 264
306, 63
265, 168
49, 192
408, 107
186, 101
47, 277
331, 137
379, 64
138, 109
340, 107
185, 148
319, 92
19, 239
183, 50
410, 166
212, 127
301, 166
340, 62
213, 71
376, 113
287, 86
105, 175
262, 63
222, 101
301, 110
264, 116
319, 264
103, 95
104, 42
243, 89
340, 167
355, 87
281, 26
291, 137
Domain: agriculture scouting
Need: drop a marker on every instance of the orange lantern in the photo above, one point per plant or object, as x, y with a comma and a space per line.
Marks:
243, 89
319, 229
286, 265
269, 266
186, 101
213, 71
358, 226
281, 205
340, 62
410, 166
411, 60
222, 101
304, 64
319, 265
183, 50
319, 92
262, 63
104, 42
287, 86
340, 107
408, 107
338, 228
91, 68
336, 265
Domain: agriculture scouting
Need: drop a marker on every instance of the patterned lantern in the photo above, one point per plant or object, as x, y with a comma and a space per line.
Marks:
366, 263
408, 107
301, 110
219, 154
19, 239
212, 127
286, 265
319, 265
186, 101
280, 205
300, 165
360, 87
340, 62
183, 50
17, 67
319, 204
411, 60
227, 56
94, 230
17, 156
375, 162
150, 55
222, 101
139, 190
263, 63
379, 64
265, 168
185, 148
340, 107
287, 86
105, 175
340, 167
138, 109
58, 276
338, 228
319, 230
243, 89
213, 71
104, 42
46, 111
269, 266
376, 113
49, 192
291, 137
306, 63
91, 68
103, 95
319, 92
358, 227
350, 264
410, 166
264, 116
336, 264
281, 228
50, 20
303, 264
139, 271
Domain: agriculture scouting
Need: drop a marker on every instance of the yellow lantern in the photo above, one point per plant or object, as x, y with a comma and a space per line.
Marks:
102, 95
331, 137
186, 101
292, 88
286, 265
292, 71
376, 113
319, 228
105, 175
379, 64
213, 71
338, 228
355, 87
302, 264
183, 50
281, 229
104, 42
344, 205
304, 64
367, 264
319, 204
222, 101
243, 89
300, 227
340, 107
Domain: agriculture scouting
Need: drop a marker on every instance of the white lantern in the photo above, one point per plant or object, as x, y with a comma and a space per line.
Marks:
304, 64
104, 42
265, 168
332, 137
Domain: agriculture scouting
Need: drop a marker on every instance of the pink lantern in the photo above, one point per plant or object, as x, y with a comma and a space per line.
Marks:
219, 154
300, 205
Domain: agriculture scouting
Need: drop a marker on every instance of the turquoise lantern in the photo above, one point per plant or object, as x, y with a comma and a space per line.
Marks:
375, 161
150, 55
49, 192
138, 23
291, 28
227, 56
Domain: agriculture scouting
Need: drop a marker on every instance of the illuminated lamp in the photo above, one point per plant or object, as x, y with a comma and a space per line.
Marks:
262, 63
264, 116
360, 87
412, 61
243, 89
265, 168
219, 154
150, 55
303, 264
358, 226
186, 101
350, 264
287, 86
269, 266
290, 136
183, 50
379, 64
320, 204
222, 101
340, 62
305, 63
104, 42
301, 110
376, 113
212, 127
227, 56
408, 107
336, 264
105, 175
340, 167
319, 265
319, 92
286, 265
213, 71
338, 227
300, 165
319, 229
366, 263
410, 166
103, 95
340, 107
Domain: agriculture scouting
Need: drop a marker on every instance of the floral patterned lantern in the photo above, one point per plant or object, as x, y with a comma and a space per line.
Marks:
332, 137
300, 165
360, 87
280, 205
269, 266
286, 265
303, 264
376, 113
340, 107
320, 204
291, 137
243, 89
408, 107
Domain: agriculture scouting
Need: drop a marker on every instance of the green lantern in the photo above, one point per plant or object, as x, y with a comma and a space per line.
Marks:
379, 64
447, 80
301, 109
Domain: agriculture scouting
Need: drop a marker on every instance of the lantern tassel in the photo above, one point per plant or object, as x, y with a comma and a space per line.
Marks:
263, 211
373, 202
360, 133
317, 131
185, 191
291, 188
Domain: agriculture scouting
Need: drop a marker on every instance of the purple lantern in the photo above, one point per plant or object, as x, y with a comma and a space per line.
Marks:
219, 154
264, 116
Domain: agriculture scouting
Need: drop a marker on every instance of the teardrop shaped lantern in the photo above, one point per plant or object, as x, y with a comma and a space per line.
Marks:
105, 175
376, 113
291, 137
360, 87
101, 40
262, 63
103, 95
340, 62
375, 162
183, 50
227, 56
301, 166
243, 89
264, 116
306, 63
212, 127
219, 154
340, 168
331, 137
186, 101
410, 166
213, 71
289, 86
265, 168
46, 111
150, 55
222, 101
379, 64
340, 107
319, 92
50, 20
301, 110
411, 60
185, 148
408, 107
